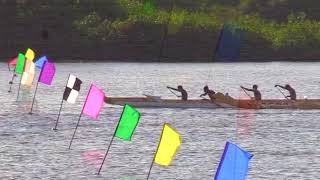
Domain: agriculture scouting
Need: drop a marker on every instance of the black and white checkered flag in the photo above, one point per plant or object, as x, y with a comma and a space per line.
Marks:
72, 89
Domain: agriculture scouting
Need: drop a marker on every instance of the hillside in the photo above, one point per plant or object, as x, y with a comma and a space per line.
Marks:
180, 30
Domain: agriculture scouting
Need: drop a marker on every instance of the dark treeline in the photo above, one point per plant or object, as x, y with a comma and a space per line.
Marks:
122, 30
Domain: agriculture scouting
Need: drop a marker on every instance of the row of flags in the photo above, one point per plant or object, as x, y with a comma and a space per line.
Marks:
234, 161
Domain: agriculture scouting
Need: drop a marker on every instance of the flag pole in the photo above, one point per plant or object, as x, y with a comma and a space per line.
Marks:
74, 133
105, 156
55, 127
19, 88
11, 82
34, 97
154, 156
151, 168
24, 65
114, 134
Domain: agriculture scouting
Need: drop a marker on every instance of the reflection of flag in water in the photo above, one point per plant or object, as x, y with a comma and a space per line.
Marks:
245, 117
30, 54
228, 44
72, 89
28, 74
20, 63
47, 73
93, 157
94, 102
234, 163
128, 122
169, 143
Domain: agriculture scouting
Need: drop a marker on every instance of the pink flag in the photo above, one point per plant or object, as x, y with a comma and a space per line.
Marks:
47, 73
13, 61
94, 102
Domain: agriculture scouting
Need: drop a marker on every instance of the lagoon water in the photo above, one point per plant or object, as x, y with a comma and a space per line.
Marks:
285, 143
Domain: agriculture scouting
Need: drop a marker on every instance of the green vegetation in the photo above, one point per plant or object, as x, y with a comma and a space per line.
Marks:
104, 19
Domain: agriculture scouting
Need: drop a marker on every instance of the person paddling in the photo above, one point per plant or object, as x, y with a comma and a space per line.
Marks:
208, 92
292, 92
184, 94
256, 92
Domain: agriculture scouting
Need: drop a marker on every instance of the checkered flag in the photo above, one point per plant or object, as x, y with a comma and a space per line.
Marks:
72, 89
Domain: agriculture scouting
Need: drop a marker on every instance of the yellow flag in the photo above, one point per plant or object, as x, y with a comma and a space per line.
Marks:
30, 54
169, 143
28, 74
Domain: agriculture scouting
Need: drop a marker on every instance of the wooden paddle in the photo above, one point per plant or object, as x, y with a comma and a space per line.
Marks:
246, 92
172, 92
282, 92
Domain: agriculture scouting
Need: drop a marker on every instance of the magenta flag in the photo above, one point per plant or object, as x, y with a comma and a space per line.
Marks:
47, 73
94, 102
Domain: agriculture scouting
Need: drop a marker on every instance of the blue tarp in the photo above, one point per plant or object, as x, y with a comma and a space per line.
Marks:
228, 45
39, 63
234, 164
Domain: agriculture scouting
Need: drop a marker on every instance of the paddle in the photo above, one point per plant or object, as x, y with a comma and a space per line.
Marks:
246, 92
281, 92
172, 92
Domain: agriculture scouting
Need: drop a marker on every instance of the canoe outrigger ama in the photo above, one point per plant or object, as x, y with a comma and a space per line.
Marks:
221, 101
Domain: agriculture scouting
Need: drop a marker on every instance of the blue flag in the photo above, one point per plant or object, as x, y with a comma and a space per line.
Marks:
39, 63
234, 164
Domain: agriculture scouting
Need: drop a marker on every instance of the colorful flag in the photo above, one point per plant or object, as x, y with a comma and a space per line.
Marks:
72, 89
13, 61
28, 74
94, 102
20, 63
40, 62
128, 122
47, 73
30, 54
169, 143
234, 163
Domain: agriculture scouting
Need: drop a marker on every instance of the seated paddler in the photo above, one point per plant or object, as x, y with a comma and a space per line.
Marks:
184, 94
292, 92
256, 92
208, 92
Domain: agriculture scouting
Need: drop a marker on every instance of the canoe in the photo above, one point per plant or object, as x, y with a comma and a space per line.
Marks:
268, 103
152, 102
221, 101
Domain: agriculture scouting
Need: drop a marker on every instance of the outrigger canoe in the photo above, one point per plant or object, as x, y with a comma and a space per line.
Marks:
221, 101
147, 102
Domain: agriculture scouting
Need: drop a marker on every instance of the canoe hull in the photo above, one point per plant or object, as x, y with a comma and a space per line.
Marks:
144, 102
220, 102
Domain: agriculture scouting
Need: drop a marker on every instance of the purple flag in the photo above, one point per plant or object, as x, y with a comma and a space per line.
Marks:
47, 73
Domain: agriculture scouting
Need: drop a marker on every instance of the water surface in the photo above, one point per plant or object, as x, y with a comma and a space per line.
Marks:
285, 143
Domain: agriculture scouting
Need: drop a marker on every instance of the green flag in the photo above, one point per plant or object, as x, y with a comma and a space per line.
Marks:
128, 122
20, 64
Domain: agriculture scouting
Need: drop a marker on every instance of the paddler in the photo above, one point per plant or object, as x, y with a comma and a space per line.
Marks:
256, 92
292, 92
184, 94
208, 92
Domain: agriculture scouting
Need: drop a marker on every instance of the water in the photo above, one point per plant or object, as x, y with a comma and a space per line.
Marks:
285, 143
